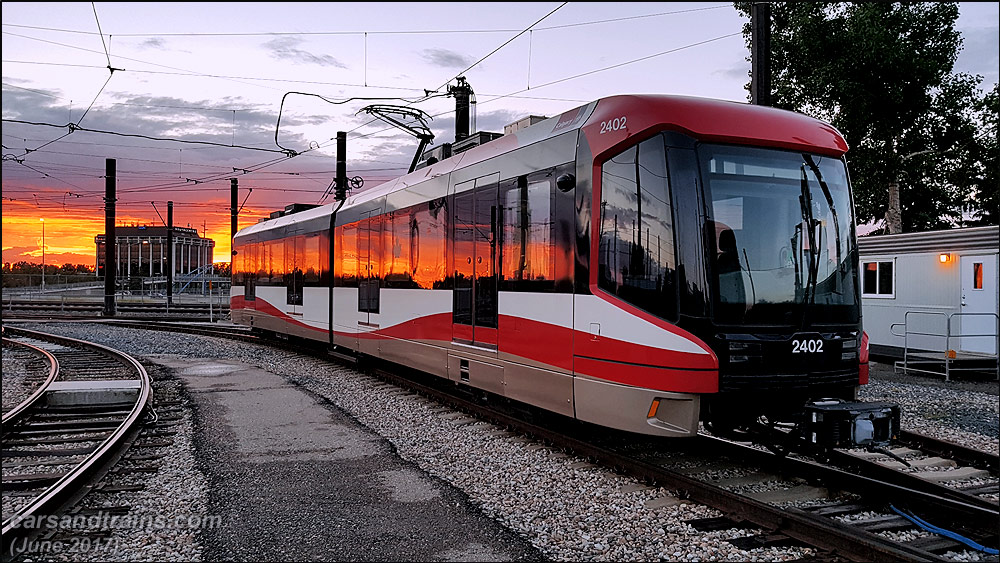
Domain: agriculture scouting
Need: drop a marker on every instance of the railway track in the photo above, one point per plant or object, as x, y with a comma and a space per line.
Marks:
76, 308
857, 507
59, 441
845, 515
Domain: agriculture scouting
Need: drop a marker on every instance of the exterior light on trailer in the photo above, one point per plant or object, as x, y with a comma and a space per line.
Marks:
944, 257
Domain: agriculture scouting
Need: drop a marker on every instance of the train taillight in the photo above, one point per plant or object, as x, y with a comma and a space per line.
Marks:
863, 360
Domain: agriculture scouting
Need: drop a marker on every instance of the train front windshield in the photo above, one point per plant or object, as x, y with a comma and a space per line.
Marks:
783, 235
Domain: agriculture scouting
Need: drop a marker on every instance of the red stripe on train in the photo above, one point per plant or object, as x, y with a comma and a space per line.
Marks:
552, 345
650, 377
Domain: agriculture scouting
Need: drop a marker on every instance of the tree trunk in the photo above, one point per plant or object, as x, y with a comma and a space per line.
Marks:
894, 215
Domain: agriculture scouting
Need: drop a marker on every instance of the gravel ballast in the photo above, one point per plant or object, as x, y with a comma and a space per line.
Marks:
566, 508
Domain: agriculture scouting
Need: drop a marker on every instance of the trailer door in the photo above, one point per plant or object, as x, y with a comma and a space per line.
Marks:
979, 303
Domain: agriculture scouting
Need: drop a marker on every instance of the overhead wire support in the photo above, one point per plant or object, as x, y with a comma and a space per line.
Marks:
505, 43
420, 130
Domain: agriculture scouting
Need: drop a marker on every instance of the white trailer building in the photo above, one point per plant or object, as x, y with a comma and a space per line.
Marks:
930, 299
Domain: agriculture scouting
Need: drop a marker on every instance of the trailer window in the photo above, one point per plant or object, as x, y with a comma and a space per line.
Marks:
878, 280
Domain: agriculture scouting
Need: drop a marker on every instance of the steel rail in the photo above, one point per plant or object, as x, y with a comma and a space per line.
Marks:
13, 415
950, 450
70, 484
826, 534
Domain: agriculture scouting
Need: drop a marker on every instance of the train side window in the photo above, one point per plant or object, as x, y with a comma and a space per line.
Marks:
636, 252
263, 263
276, 262
397, 249
239, 251
345, 250
324, 259
261, 275
528, 241
428, 245
311, 264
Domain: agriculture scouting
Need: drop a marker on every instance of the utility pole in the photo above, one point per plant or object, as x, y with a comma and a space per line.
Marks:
233, 196
110, 263
340, 190
170, 253
760, 54
42, 219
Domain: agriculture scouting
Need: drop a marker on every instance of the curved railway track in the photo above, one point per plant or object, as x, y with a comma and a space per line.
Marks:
856, 507
69, 432
76, 308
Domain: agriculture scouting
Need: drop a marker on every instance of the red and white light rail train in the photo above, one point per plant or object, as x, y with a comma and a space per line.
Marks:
641, 262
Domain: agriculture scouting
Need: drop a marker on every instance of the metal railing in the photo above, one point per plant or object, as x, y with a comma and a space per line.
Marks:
946, 357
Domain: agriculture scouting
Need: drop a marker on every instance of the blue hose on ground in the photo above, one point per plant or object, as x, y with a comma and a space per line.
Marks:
946, 533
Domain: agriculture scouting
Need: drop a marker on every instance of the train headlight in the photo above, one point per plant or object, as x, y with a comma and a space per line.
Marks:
850, 350
743, 351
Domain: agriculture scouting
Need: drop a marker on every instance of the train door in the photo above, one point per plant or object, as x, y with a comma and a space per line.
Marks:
250, 275
369, 280
294, 247
979, 303
475, 250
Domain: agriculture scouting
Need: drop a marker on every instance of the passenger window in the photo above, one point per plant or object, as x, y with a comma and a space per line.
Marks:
397, 250
528, 242
345, 250
636, 252
428, 244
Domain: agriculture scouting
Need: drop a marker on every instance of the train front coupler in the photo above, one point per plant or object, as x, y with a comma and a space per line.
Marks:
836, 423
827, 424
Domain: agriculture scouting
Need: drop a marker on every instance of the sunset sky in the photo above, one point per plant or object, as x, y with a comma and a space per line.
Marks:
195, 96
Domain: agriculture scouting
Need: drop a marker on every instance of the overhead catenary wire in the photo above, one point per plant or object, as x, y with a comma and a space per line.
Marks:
374, 32
74, 127
212, 178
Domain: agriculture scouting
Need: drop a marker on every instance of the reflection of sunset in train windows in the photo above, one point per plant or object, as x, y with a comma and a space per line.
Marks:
428, 248
252, 258
397, 249
347, 253
311, 264
275, 260
374, 233
527, 252
263, 275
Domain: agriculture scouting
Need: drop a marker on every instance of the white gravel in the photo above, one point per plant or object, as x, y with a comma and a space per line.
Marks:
969, 418
23, 372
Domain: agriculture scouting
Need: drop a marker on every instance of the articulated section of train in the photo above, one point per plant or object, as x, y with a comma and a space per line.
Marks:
644, 263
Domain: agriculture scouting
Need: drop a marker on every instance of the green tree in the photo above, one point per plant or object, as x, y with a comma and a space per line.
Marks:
882, 74
985, 202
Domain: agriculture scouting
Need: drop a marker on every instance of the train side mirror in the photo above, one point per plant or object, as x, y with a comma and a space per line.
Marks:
566, 182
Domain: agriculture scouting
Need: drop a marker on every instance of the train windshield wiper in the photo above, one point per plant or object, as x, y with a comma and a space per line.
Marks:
833, 211
805, 204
